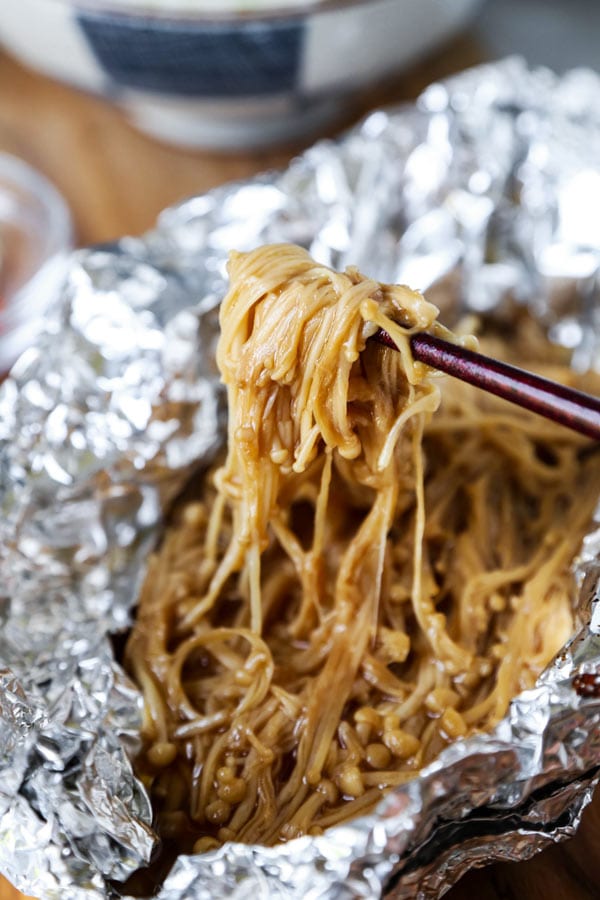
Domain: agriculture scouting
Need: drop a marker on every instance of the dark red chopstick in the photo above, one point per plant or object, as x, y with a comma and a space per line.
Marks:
578, 411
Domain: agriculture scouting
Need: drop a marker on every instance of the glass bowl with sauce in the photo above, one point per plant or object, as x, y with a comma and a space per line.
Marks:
35, 235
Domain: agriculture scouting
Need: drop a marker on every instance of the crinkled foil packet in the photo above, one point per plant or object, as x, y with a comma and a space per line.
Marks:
484, 193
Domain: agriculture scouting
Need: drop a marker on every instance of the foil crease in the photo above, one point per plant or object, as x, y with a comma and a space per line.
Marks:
484, 193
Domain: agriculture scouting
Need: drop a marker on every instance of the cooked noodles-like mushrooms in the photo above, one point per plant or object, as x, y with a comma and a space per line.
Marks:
362, 580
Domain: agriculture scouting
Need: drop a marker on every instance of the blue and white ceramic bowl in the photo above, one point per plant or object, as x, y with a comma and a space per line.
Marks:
226, 73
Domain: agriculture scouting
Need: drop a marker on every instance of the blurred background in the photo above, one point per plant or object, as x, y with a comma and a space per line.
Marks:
141, 112
115, 179
124, 107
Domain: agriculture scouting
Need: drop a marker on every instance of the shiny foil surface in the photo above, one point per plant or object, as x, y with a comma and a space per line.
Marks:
484, 193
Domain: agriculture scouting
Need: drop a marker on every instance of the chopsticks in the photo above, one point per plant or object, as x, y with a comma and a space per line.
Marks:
578, 411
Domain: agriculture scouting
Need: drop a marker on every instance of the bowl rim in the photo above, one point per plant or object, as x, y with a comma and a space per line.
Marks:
17, 175
300, 10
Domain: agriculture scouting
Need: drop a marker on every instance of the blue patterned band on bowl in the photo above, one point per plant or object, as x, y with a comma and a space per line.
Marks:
247, 58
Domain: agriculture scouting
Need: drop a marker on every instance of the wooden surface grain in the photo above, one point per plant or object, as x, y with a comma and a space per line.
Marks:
116, 181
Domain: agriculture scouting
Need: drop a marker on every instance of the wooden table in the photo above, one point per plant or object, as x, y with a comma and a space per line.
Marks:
116, 182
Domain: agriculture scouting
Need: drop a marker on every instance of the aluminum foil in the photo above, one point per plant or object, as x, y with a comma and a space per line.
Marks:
485, 194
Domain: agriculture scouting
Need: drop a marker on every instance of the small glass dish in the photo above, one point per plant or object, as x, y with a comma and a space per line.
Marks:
35, 235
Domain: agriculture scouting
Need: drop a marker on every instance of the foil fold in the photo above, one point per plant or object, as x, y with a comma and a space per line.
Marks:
481, 194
